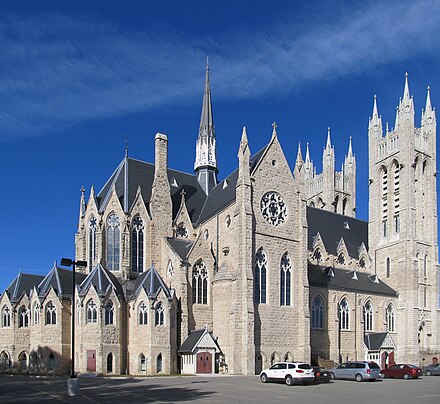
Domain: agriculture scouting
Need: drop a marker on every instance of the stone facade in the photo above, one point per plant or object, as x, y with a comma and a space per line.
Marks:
272, 263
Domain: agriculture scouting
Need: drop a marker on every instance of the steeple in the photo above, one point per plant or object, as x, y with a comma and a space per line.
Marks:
206, 164
329, 143
428, 116
406, 96
299, 159
350, 149
375, 123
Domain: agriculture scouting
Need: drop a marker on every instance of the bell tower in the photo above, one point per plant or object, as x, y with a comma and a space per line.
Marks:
403, 225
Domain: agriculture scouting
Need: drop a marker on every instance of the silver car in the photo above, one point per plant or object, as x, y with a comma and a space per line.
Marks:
359, 371
431, 370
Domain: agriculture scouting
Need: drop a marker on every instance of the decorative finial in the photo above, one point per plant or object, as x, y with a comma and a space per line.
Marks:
82, 190
126, 145
207, 62
274, 126
182, 192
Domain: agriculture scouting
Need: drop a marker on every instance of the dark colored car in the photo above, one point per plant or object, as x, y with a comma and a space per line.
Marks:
432, 370
402, 371
321, 375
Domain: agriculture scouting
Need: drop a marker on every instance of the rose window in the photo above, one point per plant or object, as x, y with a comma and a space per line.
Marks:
273, 208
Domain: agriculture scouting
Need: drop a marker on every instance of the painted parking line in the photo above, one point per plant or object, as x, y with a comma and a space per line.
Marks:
50, 395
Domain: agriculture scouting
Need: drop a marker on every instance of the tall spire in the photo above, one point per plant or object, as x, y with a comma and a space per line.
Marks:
329, 143
307, 153
375, 113
299, 158
406, 89
428, 107
350, 149
206, 121
206, 163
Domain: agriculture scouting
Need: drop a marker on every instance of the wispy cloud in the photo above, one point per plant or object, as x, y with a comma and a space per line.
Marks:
57, 70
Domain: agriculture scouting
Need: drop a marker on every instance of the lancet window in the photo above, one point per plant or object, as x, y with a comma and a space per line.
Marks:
92, 241
113, 242
137, 245
285, 281
317, 312
260, 274
200, 283
344, 315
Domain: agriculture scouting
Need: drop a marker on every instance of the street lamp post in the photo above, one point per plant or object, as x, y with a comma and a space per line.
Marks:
72, 381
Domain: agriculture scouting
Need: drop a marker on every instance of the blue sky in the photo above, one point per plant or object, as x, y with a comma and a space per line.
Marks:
77, 77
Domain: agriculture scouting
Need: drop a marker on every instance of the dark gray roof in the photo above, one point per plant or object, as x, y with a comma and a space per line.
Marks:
180, 246
138, 173
61, 280
23, 283
224, 193
343, 280
191, 341
103, 280
152, 283
331, 226
374, 340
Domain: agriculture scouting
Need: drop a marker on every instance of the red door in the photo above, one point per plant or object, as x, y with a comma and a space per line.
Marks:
204, 362
391, 359
91, 361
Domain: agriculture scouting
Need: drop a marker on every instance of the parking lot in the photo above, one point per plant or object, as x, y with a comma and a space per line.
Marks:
216, 389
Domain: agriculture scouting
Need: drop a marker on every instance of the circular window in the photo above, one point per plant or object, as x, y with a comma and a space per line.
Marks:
273, 208
181, 230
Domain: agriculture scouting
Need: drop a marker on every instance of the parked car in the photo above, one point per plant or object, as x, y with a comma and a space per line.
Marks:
402, 371
321, 375
359, 371
289, 372
432, 370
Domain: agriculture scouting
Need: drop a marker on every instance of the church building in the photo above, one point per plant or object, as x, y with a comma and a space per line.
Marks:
189, 274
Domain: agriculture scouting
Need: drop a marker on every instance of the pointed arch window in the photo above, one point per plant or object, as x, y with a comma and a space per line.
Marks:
142, 363
92, 241
159, 314
388, 267
344, 314
51, 362
384, 195
37, 309
390, 318
113, 242
5, 363
6, 317
200, 283
396, 206
368, 316
285, 281
260, 275
317, 312
109, 313
143, 316
51, 314
110, 363
137, 245
159, 363
92, 312
23, 317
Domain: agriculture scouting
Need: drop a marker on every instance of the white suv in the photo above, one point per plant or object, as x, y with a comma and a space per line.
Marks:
290, 372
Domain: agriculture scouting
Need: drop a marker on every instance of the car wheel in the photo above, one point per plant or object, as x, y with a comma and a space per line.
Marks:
406, 376
359, 377
289, 380
263, 378
333, 376
428, 373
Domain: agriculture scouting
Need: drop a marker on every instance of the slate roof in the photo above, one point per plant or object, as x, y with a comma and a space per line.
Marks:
23, 283
152, 283
223, 194
342, 280
374, 340
61, 280
193, 339
331, 227
180, 246
132, 173
103, 280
